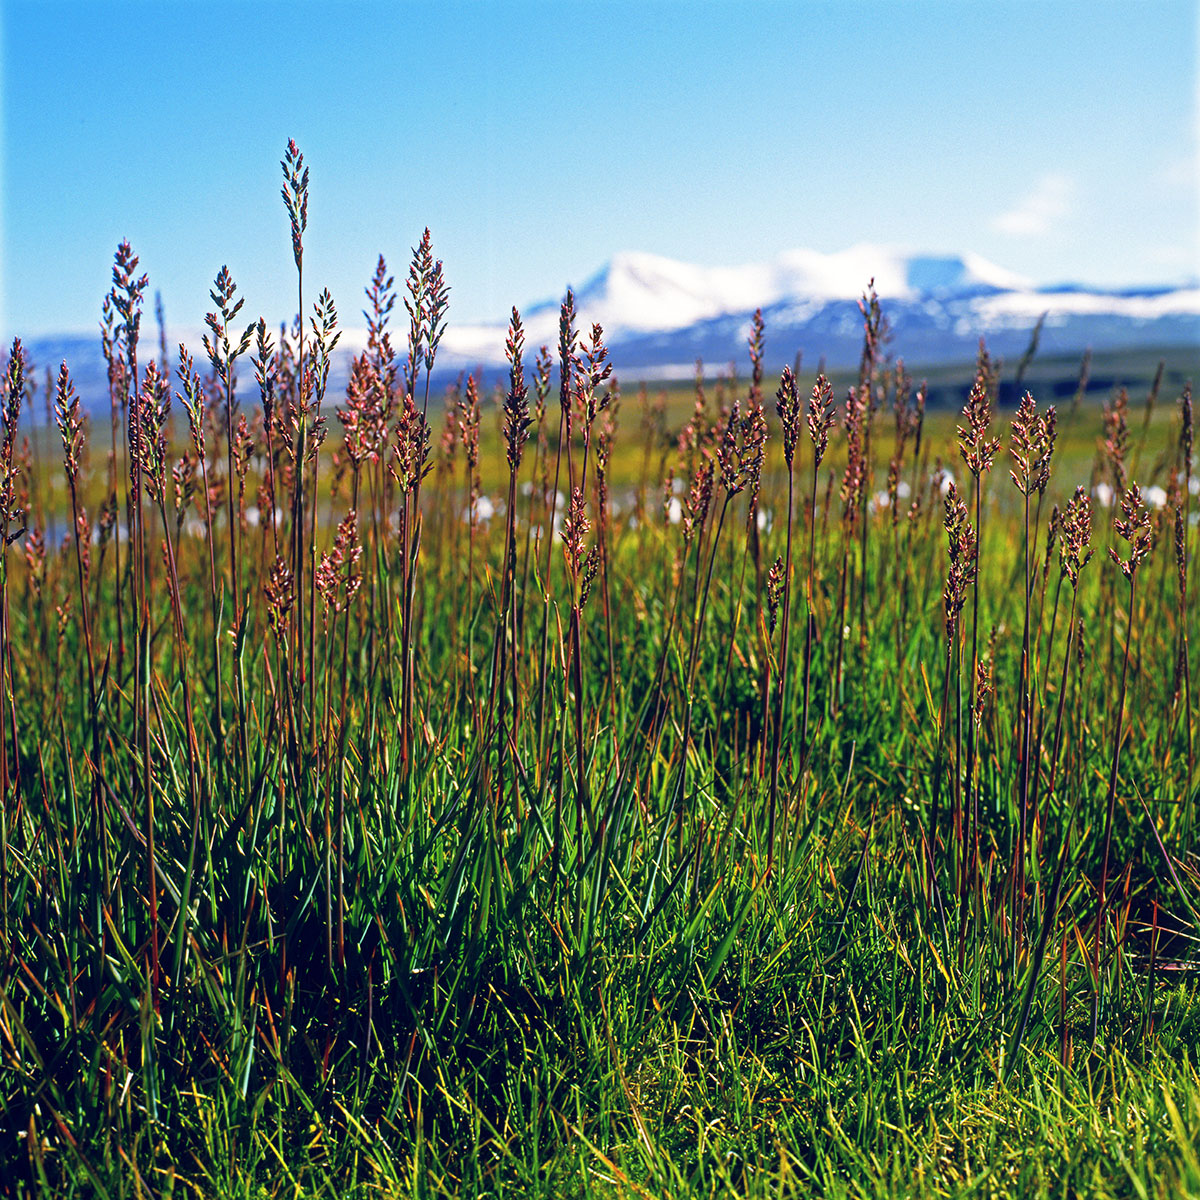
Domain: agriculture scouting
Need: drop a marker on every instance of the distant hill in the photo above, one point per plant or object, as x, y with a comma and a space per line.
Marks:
660, 315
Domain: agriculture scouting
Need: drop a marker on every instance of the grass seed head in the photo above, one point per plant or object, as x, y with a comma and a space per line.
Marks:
364, 429
381, 294
70, 423
787, 405
592, 371
1186, 432
591, 565
1075, 551
34, 550
279, 593
1052, 532
192, 398
326, 335
728, 456
111, 335
699, 499
541, 384
875, 331
223, 348
961, 545
893, 490
1047, 435
775, 584
295, 197
338, 579
567, 345
1133, 524
1116, 437
516, 403
148, 433
820, 416
1181, 550
905, 408
985, 678
265, 368
756, 357
1032, 445
753, 454
410, 450
438, 304
183, 480
977, 449
854, 475
417, 305
126, 294
575, 529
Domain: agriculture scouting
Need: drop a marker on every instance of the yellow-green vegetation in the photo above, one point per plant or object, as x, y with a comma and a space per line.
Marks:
776, 789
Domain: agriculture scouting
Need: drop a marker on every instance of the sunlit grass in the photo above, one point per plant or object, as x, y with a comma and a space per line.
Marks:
392, 803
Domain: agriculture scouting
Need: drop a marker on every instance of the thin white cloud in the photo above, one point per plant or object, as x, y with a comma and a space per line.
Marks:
1038, 212
1179, 258
1181, 172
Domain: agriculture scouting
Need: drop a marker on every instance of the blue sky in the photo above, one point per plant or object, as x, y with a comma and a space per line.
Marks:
536, 140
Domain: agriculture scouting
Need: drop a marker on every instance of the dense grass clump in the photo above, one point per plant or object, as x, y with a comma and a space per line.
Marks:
784, 795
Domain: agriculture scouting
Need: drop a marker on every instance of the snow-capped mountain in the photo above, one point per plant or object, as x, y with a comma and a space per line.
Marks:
660, 316
637, 294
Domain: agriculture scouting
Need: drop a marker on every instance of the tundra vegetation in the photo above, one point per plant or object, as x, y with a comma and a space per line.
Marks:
794, 795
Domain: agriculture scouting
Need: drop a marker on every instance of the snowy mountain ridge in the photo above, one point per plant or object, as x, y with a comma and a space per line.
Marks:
662, 313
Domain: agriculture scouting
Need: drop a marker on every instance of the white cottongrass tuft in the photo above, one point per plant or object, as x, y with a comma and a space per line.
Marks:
485, 510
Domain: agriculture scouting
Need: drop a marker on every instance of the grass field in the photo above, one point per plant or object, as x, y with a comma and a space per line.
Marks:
773, 789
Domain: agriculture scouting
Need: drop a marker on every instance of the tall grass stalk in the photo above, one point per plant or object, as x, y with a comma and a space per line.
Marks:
1133, 526
10, 514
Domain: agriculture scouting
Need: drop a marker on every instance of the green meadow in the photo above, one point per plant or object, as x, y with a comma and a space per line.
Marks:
773, 786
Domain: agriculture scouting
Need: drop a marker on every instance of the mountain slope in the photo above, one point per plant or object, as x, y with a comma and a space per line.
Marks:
659, 315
